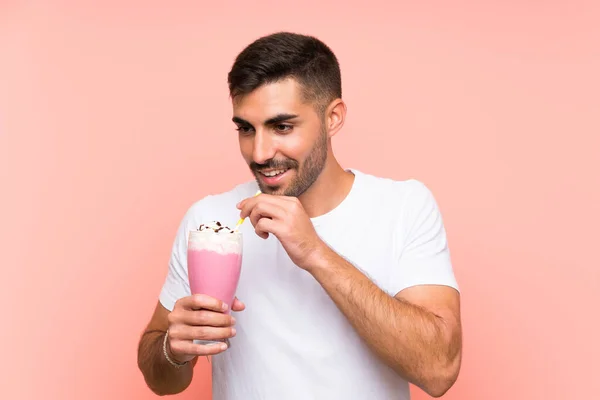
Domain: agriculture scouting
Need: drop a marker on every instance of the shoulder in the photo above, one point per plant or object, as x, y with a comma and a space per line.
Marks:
225, 199
406, 196
220, 206
403, 206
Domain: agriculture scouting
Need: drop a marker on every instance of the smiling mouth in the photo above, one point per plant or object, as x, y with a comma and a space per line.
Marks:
272, 173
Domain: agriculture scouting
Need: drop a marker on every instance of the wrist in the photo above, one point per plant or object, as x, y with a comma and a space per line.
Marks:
321, 258
168, 353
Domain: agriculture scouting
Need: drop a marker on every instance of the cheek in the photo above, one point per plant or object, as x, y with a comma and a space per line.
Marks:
294, 146
245, 147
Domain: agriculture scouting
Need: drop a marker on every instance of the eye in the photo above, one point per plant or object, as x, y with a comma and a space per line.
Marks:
244, 130
283, 128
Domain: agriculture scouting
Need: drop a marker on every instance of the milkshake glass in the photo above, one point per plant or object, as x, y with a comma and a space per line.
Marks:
214, 261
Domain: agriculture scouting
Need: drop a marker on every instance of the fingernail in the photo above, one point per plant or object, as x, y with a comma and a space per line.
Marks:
223, 346
232, 320
233, 331
224, 307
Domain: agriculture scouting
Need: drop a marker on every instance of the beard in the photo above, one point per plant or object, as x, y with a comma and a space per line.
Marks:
306, 173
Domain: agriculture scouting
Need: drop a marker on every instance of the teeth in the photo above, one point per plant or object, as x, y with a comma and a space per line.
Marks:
273, 173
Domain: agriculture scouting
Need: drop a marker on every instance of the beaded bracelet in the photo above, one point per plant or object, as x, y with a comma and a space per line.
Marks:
171, 361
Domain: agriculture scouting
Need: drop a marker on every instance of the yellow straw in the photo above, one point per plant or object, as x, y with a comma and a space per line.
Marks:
241, 220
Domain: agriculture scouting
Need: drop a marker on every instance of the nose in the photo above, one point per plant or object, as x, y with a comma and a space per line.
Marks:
263, 147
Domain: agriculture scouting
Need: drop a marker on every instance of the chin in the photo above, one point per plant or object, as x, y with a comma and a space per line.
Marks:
274, 190
268, 189
277, 190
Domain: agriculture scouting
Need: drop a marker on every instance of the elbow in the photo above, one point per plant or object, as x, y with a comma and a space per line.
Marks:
160, 391
442, 378
444, 372
438, 388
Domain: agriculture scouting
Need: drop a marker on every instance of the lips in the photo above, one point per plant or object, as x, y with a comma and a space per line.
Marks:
274, 176
273, 173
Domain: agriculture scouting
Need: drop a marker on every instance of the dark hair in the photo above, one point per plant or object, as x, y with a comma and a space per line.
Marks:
288, 55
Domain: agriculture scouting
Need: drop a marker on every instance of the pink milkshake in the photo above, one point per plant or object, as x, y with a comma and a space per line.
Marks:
214, 261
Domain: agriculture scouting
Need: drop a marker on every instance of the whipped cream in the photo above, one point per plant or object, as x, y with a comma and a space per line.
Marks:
214, 236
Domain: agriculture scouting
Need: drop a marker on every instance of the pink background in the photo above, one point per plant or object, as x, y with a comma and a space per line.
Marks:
114, 118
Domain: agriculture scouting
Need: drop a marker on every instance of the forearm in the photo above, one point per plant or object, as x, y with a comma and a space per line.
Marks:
160, 376
410, 339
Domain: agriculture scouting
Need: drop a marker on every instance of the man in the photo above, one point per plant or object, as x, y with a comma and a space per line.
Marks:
347, 286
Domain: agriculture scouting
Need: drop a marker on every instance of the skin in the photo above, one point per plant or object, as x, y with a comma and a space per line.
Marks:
199, 317
417, 332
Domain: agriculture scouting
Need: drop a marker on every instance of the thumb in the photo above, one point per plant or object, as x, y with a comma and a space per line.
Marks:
237, 305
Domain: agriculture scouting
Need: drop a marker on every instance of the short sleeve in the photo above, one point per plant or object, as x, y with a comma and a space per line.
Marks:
176, 284
424, 256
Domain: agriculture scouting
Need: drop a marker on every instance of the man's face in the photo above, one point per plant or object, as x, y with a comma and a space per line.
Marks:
282, 138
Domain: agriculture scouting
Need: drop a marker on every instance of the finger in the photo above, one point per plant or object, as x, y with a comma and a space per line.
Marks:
239, 205
238, 305
204, 302
265, 210
183, 332
207, 318
195, 349
248, 205
289, 199
265, 226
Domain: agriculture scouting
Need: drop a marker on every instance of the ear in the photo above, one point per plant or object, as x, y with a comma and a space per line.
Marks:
335, 115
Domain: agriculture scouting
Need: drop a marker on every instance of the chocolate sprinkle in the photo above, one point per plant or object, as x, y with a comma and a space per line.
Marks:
219, 225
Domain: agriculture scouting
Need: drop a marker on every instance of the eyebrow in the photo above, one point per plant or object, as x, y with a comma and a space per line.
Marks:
271, 121
280, 118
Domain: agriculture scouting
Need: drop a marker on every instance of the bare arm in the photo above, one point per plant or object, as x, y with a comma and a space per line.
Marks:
161, 377
417, 332
193, 317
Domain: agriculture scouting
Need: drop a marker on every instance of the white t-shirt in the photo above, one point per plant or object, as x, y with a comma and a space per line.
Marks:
292, 342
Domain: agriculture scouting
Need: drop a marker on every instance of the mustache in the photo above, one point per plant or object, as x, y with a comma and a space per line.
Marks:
274, 164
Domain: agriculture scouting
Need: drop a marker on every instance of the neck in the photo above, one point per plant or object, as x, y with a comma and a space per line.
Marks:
328, 191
